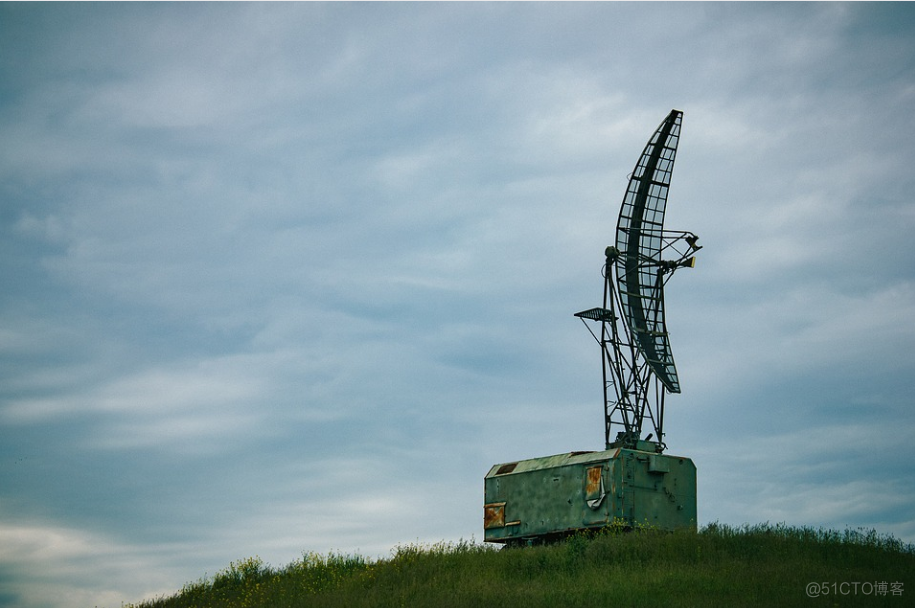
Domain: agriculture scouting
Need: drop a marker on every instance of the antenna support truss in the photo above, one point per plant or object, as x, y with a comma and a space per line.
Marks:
638, 367
633, 393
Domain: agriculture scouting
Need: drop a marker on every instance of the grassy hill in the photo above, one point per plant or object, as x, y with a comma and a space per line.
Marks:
760, 565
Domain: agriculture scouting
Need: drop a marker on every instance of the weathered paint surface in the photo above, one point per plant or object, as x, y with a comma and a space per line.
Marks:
555, 495
595, 482
494, 515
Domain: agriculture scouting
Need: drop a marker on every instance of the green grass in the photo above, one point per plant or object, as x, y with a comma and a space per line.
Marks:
761, 565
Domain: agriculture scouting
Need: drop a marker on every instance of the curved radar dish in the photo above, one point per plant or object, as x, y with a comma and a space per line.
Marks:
640, 239
638, 367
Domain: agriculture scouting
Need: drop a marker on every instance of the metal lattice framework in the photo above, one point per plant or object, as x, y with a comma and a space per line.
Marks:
638, 364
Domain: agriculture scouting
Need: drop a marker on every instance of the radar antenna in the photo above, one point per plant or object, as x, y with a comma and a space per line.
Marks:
638, 366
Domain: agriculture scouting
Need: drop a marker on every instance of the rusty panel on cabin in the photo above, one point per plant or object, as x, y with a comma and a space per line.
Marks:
593, 487
494, 515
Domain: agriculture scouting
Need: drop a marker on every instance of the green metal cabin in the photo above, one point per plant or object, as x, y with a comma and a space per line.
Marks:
550, 497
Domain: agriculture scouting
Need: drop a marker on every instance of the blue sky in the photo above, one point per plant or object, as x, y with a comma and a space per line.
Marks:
291, 277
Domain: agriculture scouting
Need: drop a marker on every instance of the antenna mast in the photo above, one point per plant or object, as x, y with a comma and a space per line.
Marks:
638, 366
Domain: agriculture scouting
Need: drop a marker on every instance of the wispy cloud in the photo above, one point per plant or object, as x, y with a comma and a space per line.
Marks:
49, 565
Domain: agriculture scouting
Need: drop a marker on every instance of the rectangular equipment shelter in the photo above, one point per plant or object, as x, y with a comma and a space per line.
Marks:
550, 497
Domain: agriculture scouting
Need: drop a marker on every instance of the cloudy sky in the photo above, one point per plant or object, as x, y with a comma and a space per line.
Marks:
289, 278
